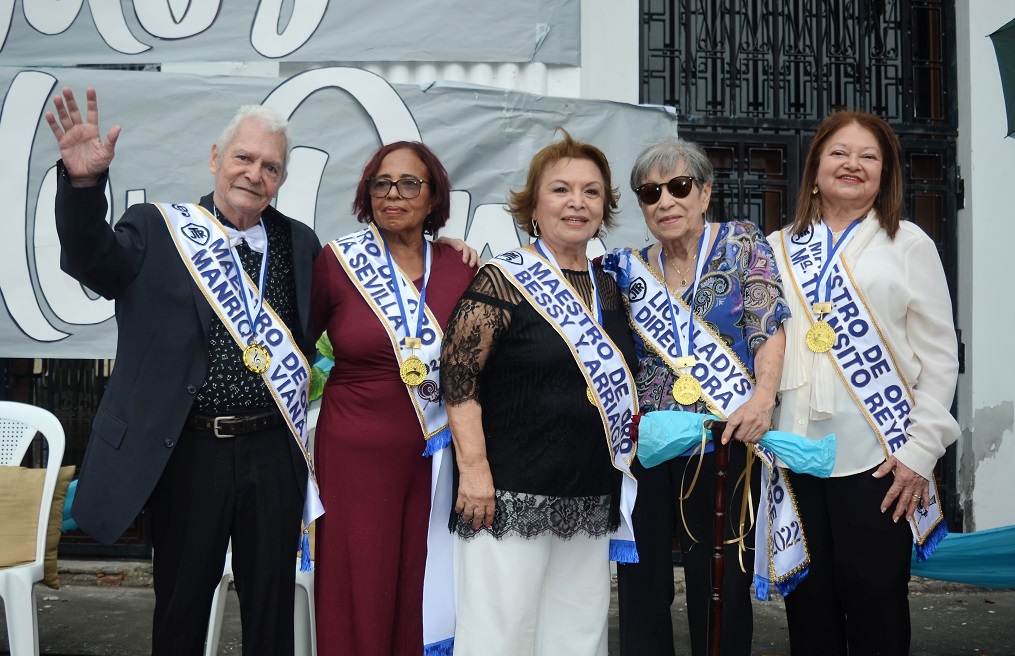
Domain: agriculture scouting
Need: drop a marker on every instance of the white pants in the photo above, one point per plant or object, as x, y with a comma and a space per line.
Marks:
532, 597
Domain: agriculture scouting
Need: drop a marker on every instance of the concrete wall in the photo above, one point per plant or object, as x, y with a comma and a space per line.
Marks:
987, 389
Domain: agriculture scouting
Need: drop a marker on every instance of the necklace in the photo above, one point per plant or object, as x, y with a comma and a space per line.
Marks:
688, 269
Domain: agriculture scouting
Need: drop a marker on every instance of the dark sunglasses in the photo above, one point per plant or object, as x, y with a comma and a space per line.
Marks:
408, 188
679, 187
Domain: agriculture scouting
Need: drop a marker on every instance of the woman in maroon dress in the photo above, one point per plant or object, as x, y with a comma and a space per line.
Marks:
381, 410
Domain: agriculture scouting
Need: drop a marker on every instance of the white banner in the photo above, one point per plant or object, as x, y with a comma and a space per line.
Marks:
339, 116
48, 32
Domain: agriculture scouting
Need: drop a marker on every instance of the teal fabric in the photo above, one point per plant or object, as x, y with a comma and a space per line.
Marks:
666, 434
802, 455
68, 522
985, 558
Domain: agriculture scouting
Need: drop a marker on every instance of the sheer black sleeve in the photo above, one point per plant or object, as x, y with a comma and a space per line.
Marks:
480, 318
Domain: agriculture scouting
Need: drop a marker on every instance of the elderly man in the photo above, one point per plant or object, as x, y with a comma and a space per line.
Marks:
204, 416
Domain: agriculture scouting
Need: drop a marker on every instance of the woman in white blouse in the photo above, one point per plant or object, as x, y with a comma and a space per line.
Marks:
871, 356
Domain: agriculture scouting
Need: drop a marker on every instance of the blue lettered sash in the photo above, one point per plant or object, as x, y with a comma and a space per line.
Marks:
726, 385
862, 359
361, 255
204, 246
725, 381
600, 361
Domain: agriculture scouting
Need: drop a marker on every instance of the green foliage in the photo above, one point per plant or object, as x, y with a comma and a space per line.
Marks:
324, 347
317, 380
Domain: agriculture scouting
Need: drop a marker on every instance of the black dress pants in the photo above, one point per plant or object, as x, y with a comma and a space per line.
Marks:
214, 488
646, 588
855, 599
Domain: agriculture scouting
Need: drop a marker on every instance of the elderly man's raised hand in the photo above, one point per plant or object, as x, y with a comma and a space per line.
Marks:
84, 154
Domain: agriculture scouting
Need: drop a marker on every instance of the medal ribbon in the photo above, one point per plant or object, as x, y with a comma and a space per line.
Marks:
597, 308
685, 338
831, 249
258, 297
418, 332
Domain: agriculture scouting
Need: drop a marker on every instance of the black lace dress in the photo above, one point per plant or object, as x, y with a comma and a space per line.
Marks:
548, 451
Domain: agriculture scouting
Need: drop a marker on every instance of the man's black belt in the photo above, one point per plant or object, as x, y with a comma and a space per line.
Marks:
233, 425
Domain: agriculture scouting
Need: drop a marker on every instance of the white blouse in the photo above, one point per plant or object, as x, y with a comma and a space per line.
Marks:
905, 287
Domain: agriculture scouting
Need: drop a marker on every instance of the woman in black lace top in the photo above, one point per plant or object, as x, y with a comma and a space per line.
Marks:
539, 395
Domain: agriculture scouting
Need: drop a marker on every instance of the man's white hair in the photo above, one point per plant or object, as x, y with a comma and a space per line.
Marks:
270, 118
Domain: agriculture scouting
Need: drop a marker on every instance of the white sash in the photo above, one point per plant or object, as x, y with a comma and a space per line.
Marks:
204, 246
725, 381
361, 255
600, 361
863, 360
726, 385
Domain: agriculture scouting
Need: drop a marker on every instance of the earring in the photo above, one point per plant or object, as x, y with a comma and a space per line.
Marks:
646, 233
814, 191
535, 228
600, 233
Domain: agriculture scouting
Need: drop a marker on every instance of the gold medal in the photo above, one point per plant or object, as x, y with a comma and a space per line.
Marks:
686, 390
413, 371
820, 337
256, 358
590, 395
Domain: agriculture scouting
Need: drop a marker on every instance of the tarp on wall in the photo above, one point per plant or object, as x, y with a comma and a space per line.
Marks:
45, 32
338, 116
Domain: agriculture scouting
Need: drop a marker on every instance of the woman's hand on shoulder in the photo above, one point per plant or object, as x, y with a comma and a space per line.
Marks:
470, 255
475, 503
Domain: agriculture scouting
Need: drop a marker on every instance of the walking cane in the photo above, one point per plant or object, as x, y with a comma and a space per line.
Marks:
722, 460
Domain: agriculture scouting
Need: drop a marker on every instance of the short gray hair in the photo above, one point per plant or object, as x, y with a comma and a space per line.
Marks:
667, 155
268, 117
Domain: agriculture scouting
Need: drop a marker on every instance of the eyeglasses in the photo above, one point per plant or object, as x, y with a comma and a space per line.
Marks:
679, 187
408, 188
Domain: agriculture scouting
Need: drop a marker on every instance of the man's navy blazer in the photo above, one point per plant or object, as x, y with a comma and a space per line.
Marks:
163, 325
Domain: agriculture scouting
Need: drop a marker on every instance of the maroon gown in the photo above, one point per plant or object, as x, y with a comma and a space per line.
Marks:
374, 481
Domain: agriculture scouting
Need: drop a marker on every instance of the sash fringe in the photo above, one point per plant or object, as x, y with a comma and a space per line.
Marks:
623, 551
926, 550
305, 564
438, 442
789, 584
762, 586
442, 648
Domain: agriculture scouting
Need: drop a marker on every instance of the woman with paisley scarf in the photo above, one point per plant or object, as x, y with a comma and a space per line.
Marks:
725, 357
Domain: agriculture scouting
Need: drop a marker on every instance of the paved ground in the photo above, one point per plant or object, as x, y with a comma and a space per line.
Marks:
104, 609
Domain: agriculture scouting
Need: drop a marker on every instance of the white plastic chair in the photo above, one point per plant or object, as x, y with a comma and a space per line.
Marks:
304, 623
19, 423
